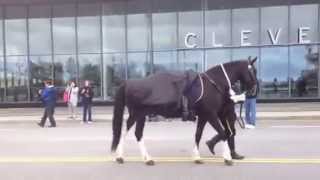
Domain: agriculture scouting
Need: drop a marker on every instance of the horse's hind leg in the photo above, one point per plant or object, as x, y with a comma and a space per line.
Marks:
200, 126
120, 149
139, 135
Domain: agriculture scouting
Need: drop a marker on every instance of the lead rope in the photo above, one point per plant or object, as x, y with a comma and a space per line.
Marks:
240, 119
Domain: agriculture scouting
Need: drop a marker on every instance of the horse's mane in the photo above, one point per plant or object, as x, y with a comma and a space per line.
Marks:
227, 64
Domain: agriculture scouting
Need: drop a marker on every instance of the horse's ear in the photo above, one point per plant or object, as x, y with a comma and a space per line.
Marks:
253, 60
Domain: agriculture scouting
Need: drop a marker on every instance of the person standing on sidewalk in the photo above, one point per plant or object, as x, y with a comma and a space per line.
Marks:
73, 92
48, 97
250, 106
87, 95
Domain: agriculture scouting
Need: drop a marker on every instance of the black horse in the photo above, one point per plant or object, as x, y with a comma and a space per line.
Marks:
215, 94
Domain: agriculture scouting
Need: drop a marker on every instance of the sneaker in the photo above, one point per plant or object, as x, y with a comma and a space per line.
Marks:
249, 126
89, 122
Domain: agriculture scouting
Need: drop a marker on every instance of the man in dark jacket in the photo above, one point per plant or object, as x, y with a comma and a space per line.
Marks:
250, 106
48, 97
87, 95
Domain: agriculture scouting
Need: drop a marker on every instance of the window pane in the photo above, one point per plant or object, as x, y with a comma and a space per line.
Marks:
165, 61
138, 65
217, 56
2, 80
274, 72
304, 67
89, 69
218, 28
190, 22
304, 17
64, 29
1, 32
114, 33
39, 30
89, 28
65, 69
16, 31
191, 60
114, 73
274, 25
40, 70
138, 32
17, 78
245, 22
164, 30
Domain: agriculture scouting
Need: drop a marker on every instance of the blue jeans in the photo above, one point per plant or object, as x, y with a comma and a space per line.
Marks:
87, 111
250, 105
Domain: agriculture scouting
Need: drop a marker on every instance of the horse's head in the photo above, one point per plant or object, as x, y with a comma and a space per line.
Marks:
248, 73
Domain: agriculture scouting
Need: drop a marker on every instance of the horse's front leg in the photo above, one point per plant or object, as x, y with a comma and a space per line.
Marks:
139, 135
196, 154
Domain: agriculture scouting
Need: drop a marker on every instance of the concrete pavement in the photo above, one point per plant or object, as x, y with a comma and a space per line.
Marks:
104, 113
274, 150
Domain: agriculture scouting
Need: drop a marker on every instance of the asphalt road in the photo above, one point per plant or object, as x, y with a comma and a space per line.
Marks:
274, 150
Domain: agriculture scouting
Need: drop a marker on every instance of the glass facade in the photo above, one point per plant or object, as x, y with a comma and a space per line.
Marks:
109, 41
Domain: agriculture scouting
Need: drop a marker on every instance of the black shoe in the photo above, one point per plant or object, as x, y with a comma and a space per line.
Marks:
41, 125
236, 156
212, 143
52, 126
211, 147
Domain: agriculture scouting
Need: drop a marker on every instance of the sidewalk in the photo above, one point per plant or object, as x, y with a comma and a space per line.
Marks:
104, 113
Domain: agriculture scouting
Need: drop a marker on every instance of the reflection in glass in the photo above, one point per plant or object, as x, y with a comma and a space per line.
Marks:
40, 70
88, 29
65, 69
246, 19
304, 16
114, 33
16, 31
218, 27
304, 68
190, 22
191, 60
138, 65
139, 36
274, 72
90, 69
273, 19
164, 30
64, 36
217, 56
113, 73
165, 61
1, 37
17, 77
39, 30
2, 80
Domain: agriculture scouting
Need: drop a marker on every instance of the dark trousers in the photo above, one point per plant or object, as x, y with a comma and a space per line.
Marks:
87, 111
48, 113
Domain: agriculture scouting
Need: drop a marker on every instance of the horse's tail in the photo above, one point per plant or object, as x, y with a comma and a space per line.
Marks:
118, 110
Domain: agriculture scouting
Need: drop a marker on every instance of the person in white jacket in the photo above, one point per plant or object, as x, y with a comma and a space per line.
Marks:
73, 92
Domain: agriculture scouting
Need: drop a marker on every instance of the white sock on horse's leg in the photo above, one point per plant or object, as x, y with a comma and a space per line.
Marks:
120, 149
226, 151
196, 153
143, 150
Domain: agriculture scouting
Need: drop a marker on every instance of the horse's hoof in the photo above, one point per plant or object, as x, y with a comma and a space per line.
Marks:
198, 161
150, 163
120, 160
228, 162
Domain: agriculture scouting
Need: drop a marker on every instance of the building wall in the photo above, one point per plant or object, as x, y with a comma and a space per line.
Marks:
109, 41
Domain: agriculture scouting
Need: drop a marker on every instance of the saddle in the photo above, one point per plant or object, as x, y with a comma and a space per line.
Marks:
163, 88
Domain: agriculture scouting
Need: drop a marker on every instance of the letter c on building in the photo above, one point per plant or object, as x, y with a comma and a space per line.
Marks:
187, 38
